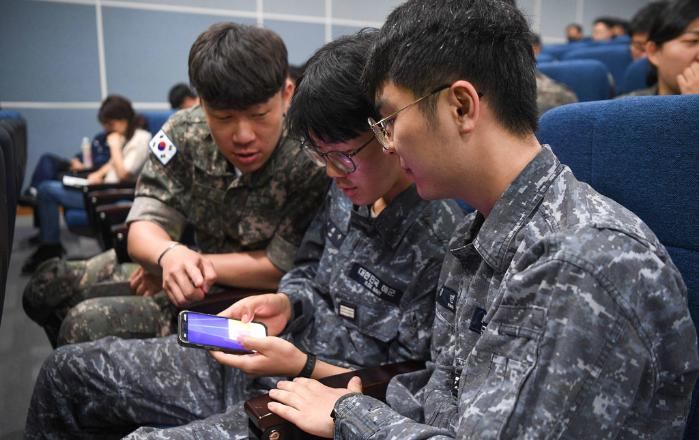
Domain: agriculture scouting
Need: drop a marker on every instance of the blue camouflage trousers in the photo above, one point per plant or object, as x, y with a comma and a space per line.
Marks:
111, 387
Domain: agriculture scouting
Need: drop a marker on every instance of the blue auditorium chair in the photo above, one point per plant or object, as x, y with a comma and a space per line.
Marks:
615, 56
635, 75
589, 79
643, 153
155, 119
545, 58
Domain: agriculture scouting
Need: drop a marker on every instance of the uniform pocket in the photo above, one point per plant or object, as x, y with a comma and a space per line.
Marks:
497, 367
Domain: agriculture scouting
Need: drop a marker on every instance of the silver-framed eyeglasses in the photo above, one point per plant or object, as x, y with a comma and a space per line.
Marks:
340, 160
381, 128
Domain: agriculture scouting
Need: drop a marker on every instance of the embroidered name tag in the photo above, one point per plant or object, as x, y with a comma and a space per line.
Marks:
367, 279
347, 310
335, 235
447, 298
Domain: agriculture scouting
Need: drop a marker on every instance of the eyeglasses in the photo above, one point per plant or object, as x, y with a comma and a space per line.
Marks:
381, 128
340, 160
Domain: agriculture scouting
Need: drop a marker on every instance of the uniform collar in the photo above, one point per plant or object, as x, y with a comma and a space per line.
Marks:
494, 241
395, 220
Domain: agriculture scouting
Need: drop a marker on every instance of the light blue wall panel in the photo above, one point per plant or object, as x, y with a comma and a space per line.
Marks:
235, 5
312, 8
301, 39
147, 51
48, 52
527, 8
56, 131
366, 10
555, 16
617, 8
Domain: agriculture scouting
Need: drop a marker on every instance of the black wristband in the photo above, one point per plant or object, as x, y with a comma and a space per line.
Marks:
310, 365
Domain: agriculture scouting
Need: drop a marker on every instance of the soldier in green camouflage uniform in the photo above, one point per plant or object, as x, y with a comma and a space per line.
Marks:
248, 212
550, 93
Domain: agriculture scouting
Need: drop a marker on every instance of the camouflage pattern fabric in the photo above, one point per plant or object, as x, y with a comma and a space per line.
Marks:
268, 209
550, 93
561, 316
160, 383
650, 91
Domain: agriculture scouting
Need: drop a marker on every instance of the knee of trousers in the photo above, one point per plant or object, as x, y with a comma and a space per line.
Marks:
47, 289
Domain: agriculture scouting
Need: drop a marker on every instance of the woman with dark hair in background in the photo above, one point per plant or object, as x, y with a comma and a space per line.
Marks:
673, 51
128, 146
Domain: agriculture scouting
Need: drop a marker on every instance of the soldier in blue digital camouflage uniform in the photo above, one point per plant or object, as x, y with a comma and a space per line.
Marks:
226, 168
559, 313
361, 292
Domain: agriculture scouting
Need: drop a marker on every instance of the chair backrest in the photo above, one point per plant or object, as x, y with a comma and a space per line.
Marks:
589, 79
615, 56
5, 245
155, 119
643, 153
545, 58
9, 175
635, 75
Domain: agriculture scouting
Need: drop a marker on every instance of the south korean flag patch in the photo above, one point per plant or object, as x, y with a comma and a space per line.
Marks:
162, 147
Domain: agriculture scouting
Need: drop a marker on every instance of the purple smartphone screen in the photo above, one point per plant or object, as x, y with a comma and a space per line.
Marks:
218, 331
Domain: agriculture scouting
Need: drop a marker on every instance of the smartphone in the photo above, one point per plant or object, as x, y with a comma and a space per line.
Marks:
213, 332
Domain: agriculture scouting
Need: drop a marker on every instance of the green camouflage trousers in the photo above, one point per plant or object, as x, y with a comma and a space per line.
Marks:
77, 301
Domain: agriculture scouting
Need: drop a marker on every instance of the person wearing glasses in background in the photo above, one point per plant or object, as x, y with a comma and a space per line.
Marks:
361, 292
567, 317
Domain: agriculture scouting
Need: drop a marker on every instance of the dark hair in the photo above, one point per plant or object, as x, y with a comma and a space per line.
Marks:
330, 102
234, 66
576, 26
116, 107
673, 21
610, 22
428, 43
178, 93
643, 20
295, 72
535, 39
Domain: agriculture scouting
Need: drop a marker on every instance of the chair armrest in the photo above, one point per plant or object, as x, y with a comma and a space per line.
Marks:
263, 424
220, 300
107, 216
119, 239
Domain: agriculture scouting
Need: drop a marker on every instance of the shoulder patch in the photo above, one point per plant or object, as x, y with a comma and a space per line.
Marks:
162, 147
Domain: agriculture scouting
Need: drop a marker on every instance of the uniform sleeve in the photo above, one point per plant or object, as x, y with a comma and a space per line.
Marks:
162, 190
298, 284
309, 185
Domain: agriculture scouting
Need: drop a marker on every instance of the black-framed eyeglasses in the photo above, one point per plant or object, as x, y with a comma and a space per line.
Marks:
340, 160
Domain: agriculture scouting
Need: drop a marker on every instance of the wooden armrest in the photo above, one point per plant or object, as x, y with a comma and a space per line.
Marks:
107, 216
221, 298
103, 186
119, 239
263, 424
105, 196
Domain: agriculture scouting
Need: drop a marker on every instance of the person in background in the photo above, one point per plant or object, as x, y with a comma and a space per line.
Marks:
549, 93
641, 24
128, 147
574, 32
602, 29
182, 96
620, 29
673, 51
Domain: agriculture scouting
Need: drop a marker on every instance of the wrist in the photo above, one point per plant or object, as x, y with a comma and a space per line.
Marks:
170, 247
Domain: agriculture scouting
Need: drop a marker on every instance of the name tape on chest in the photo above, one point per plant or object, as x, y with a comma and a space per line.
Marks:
447, 298
370, 281
162, 147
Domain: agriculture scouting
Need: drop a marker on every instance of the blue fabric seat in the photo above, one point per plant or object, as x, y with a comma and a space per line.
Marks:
615, 56
635, 75
589, 79
643, 153
155, 119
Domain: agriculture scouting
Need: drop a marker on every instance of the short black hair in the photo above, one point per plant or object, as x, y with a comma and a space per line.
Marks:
643, 20
117, 107
178, 93
234, 66
576, 26
330, 102
673, 21
427, 43
610, 22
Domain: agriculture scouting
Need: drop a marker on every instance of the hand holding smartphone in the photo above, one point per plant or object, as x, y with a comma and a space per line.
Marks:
213, 332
